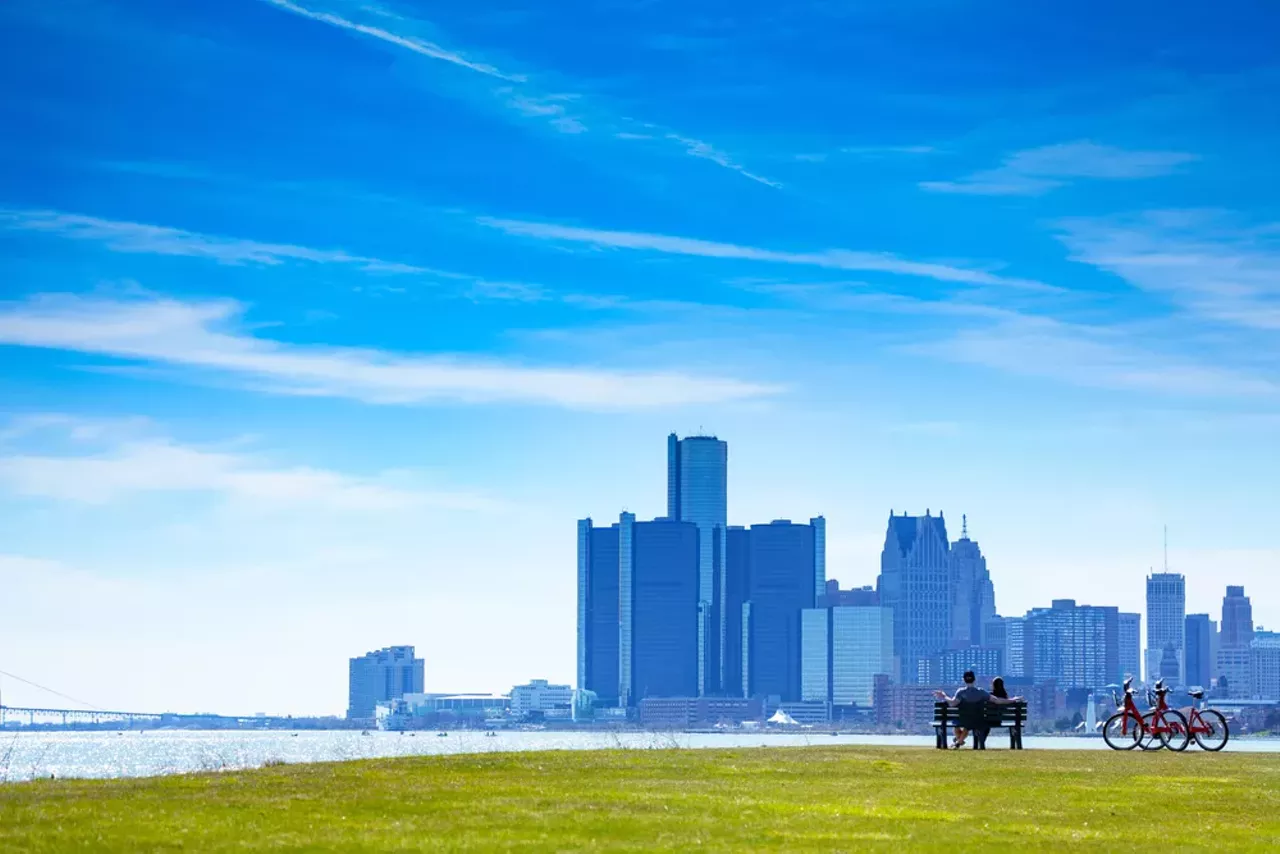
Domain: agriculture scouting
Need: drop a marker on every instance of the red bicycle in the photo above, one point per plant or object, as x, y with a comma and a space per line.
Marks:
1165, 727
1207, 726
1124, 730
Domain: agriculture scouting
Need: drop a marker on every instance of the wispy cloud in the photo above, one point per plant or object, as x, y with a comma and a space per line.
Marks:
1039, 170
418, 46
203, 335
134, 237
1205, 261
836, 259
698, 148
522, 96
1090, 357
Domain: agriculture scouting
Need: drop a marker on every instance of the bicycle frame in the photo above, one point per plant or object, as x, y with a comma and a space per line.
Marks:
1130, 711
1158, 724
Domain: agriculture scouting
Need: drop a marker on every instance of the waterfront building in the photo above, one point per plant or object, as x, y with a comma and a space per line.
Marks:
843, 649
638, 609
1076, 646
541, 697
1233, 659
380, 676
679, 713
973, 598
1166, 624
1264, 666
781, 562
1198, 636
914, 583
1131, 646
697, 492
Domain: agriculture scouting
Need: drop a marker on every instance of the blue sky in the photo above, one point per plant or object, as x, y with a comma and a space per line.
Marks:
321, 322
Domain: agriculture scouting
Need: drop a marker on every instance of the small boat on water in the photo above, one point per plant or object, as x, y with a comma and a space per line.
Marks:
490, 734
442, 735
364, 732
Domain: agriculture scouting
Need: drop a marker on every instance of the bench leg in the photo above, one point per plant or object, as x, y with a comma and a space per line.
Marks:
941, 731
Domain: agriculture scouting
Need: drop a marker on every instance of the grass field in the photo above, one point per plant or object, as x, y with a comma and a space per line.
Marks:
818, 799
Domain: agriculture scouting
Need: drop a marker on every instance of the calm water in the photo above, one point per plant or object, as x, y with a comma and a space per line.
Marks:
25, 756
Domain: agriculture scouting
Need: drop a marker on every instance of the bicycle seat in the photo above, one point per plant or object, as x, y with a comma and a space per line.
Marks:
1197, 693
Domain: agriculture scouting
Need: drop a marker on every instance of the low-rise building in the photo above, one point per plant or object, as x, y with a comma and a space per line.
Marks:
541, 697
903, 707
689, 712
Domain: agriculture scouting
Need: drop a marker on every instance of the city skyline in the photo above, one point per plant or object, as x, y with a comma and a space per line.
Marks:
322, 320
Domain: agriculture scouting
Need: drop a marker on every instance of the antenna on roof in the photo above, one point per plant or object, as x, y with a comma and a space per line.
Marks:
1166, 548
964, 526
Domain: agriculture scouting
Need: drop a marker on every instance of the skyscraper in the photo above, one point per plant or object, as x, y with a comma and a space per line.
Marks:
1166, 623
973, 597
1008, 635
1234, 644
637, 609
1078, 646
1198, 637
914, 584
781, 566
1131, 646
382, 675
697, 491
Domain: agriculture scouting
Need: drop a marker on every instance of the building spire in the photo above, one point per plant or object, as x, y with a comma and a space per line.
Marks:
964, 526
1166, 548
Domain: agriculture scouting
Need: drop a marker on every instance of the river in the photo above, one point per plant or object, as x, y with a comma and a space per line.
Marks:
32, 755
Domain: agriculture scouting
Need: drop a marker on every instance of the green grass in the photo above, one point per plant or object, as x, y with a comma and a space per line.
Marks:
793, 799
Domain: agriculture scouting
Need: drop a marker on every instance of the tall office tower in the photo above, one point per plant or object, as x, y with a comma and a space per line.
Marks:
637, 609
843, 648
698, 492
1131, 646
778, 564
1233, 645
1166, 624
736, 645
598, 612
1076, 645
1008, 635
973, 597
385, 674
914, 584
1198, 636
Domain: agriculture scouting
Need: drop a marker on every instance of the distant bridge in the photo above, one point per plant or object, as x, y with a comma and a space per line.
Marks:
73, 718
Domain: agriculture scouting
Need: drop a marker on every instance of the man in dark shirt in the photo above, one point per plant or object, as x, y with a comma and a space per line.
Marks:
969, 695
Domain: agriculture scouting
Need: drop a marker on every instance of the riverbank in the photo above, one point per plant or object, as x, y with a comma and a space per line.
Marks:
821, 798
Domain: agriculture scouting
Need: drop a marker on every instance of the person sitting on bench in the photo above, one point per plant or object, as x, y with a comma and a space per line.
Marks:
972, 701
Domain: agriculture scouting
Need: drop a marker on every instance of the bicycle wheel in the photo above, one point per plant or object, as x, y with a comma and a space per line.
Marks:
1216, 738
1115, 735
1151, 740
1180, 735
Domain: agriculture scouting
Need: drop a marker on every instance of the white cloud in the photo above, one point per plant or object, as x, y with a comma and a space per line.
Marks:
202, 335
133, 237
838, 259
419, 46
1038, 170
698, 148
1200, 259
1090, 357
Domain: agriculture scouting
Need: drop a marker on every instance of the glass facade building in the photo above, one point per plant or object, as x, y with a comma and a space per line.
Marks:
915, 584
1198, 633
381, 676
973, 596
1078, 646
1166, 622
1131, 646
780, 568
698, 492
637, 610
843, 649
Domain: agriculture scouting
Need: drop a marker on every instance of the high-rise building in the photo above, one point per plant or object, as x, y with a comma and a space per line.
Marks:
380, 676
1199, 642
832, 595
1234, 658
781, 568
1131, 646
949, 666
1008, 635
843, 649
736, 605
698, 492
914, 584
1078, 646
1264, 666
973, 597
1166, 624
637, 609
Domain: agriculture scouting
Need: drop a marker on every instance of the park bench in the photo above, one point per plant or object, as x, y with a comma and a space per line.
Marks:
1011, 716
